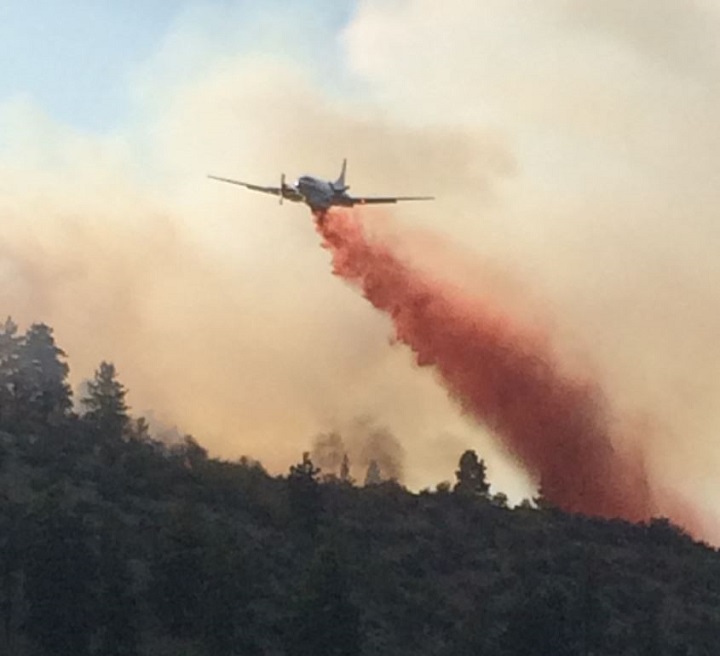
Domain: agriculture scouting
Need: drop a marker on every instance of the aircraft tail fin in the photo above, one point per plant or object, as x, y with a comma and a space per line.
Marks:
340, 182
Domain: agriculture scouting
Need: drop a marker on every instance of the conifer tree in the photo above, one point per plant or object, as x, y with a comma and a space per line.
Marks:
105, 406
470, 476
304, 489
41, 389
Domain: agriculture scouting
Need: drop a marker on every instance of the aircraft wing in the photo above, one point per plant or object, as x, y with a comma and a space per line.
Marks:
287, 192
377, 200
266, 190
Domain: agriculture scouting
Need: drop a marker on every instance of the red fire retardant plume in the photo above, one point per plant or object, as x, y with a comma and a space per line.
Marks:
500, 373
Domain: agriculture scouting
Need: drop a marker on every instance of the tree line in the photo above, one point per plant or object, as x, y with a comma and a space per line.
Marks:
113, 542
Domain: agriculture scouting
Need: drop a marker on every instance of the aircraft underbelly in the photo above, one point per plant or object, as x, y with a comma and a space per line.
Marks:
318, 200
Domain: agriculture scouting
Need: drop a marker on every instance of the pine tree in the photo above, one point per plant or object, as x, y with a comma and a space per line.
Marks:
304, 490
470, 476
305, 470
105, 403
41, 389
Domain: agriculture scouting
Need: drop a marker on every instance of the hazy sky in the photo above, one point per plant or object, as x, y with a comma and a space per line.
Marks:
572, 145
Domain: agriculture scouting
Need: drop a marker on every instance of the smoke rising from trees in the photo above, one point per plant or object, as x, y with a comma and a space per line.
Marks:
363, 442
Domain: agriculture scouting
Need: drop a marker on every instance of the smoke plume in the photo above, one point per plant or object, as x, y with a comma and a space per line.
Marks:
363, 441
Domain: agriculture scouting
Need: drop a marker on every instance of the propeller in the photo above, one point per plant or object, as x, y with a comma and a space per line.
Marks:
282, 188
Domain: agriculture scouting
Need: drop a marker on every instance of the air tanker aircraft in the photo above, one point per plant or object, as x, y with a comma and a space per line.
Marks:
319, 194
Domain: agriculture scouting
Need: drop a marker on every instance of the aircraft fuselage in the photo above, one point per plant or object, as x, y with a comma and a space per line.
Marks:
321, 194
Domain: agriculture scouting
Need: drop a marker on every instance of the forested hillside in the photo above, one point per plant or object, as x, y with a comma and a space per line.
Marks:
116, 543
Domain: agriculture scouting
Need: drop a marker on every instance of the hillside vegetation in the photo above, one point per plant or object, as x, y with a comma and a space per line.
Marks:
115, 543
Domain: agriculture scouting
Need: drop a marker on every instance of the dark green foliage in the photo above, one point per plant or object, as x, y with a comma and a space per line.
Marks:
471, 477
105, 407
165, 550
117, 606
544, 623
305, 472
304, 494
9, 354
13, 541
178, 573
42, 377
226, 617
60, 578
202, 583
324, 619
499, 499
34, 392
213, 554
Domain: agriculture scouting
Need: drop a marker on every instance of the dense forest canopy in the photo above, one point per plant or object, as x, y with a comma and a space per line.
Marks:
116, 543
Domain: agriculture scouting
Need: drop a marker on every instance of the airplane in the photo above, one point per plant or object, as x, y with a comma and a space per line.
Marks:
320, 195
